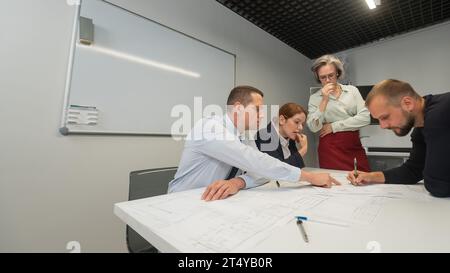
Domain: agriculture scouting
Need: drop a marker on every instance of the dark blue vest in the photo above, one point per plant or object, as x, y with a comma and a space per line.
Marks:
268, 135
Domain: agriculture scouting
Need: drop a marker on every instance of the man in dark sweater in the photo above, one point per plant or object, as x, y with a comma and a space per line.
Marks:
398, 107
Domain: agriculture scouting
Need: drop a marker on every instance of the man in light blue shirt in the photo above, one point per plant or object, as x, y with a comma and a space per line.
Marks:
213, 153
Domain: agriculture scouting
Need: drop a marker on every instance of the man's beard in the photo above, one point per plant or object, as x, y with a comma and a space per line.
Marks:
405, 129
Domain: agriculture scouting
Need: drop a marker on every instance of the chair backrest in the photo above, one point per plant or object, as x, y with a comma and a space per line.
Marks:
143, 184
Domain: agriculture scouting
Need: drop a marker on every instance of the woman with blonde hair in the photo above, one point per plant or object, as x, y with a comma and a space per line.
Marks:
337, 112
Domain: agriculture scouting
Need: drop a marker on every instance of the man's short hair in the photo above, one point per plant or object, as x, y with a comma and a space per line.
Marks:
243, 94
393, 90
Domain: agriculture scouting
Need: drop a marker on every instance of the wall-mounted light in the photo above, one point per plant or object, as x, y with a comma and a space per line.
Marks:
136, 59
373, 3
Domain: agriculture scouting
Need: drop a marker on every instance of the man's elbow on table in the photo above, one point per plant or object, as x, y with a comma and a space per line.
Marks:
437, 188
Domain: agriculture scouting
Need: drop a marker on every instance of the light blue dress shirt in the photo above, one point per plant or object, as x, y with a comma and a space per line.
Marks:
213, 147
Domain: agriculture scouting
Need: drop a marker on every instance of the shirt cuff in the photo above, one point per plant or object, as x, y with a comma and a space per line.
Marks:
251, 182
336, 126
295, 175
389, 177
317, 121
319, 115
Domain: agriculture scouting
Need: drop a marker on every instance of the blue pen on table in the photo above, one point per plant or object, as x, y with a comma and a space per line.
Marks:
322, 221
302, 230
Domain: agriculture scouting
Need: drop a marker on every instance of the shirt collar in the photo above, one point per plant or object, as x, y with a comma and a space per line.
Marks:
230, 126
284, 142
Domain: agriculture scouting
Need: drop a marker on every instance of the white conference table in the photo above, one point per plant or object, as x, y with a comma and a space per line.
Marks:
402, 225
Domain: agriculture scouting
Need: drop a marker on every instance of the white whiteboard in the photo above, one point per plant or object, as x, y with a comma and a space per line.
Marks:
137, 70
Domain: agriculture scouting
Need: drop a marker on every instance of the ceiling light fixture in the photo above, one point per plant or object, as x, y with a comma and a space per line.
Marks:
373, 3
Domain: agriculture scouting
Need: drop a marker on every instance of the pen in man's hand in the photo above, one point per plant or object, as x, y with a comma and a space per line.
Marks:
355, 164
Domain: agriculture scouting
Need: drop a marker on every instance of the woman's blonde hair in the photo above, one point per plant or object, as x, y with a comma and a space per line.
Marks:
325, 60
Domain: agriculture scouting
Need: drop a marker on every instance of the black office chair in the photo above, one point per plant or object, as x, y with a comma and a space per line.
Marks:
143, 184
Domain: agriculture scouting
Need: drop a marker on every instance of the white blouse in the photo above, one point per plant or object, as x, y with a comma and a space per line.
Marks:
347, 113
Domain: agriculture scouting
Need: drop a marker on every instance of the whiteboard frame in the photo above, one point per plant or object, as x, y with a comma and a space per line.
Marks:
64, 129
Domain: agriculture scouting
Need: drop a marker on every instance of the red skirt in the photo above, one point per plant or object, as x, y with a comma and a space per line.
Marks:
337, 151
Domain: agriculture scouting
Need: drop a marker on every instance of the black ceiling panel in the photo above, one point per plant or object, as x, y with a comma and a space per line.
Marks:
317, 27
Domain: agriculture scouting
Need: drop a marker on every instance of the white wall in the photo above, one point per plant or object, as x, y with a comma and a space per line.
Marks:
420, 58
55, 189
